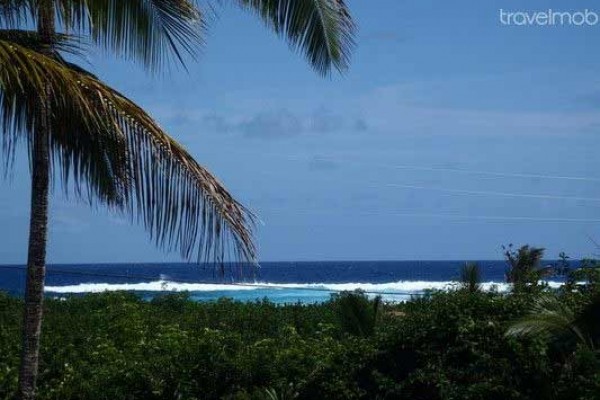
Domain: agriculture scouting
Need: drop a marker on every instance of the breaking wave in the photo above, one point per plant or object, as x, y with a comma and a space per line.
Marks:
400, 287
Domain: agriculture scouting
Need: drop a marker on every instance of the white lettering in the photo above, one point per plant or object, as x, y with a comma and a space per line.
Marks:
549, 18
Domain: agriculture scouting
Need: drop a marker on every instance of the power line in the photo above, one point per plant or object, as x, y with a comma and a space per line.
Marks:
490, 193
497, 174
498, 218
524, 175
460, 217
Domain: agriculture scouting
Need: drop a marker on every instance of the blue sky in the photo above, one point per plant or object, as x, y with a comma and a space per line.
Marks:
450, 135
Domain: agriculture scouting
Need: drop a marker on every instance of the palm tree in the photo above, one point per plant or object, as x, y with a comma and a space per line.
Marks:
104, 146
470, 277
524, 266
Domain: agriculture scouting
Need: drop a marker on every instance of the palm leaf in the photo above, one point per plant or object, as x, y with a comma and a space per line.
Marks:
114, 151
470, 277
551, 317
32, 40
150, 31
15, 12
22, 70
322, 29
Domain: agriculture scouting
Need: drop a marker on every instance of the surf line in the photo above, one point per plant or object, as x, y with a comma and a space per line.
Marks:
252, 285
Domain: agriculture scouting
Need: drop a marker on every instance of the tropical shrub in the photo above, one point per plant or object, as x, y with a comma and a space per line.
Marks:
446, 345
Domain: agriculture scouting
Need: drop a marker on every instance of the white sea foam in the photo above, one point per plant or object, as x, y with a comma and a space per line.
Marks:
156, 286
400, 287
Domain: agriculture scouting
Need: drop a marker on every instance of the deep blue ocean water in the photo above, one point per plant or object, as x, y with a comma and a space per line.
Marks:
281, 282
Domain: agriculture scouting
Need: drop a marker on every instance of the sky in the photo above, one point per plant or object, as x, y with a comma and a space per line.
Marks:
450, 135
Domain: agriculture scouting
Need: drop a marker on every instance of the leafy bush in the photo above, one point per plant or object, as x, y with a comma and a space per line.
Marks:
356, 313
442, 346
586, 278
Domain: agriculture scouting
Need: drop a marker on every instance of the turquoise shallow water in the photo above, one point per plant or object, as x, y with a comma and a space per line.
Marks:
281, 282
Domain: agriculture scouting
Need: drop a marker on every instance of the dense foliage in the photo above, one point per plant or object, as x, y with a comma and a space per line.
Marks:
442, 346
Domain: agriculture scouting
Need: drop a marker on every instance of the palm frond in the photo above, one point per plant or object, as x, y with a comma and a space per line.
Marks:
113, 151
24, 74
180, 202
284, 392
15, 12
322, 29
149, 31
470, 277
31, 39
552, 317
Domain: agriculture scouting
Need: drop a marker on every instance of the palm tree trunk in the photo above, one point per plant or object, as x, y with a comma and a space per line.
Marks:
38, 226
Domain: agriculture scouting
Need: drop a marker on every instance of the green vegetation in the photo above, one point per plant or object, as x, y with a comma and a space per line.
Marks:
470, 277
357, 315
565, 326
81, 131
524, 266
442, 346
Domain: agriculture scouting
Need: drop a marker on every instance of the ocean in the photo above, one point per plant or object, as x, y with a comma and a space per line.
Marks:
280, 282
